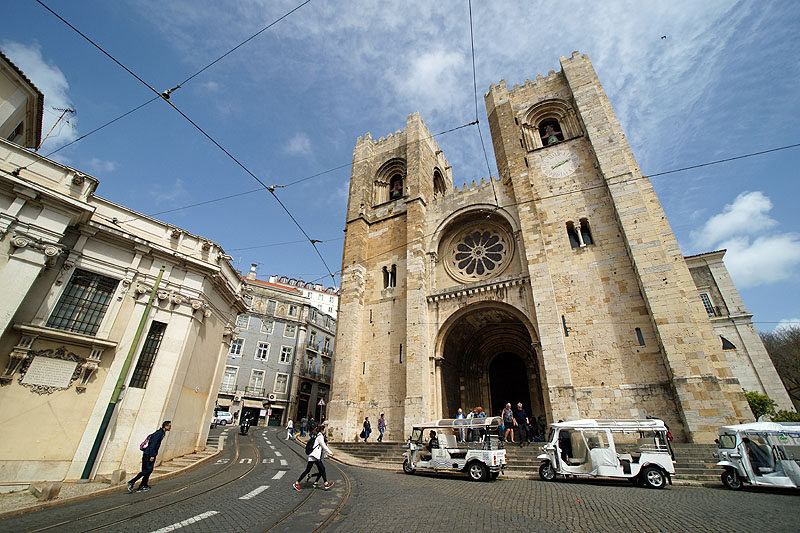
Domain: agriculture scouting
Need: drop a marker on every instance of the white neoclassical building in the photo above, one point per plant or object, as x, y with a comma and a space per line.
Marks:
76, 274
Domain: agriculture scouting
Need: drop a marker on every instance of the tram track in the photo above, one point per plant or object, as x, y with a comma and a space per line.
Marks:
299, 507
161, 496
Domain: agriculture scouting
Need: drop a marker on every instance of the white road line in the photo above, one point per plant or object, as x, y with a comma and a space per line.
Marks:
248, 459
268, 441
188, 521
222, 461
272, 447
266, 461
254, 493
279, 475
278, 454
284, 462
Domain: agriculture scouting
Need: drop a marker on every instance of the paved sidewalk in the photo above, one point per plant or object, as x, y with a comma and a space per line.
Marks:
22, 501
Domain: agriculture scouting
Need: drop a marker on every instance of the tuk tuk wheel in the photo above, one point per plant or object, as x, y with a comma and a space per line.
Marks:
407, 468
546, 471
732, 479
653, 478
477, 471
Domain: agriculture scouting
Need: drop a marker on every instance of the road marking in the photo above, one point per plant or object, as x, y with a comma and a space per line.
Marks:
284, 462
188, 521
222, 461
265, 461
247, 459
267, 441
254, 493
221, 444
272, 447
279, 474
278, 454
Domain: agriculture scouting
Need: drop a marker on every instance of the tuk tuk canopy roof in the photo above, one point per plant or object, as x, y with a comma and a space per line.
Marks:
461, 423
762, 427
652, 424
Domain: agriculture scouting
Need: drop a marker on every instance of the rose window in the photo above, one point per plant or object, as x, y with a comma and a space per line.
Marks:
479, 253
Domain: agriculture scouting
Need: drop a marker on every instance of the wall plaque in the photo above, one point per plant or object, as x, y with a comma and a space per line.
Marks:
50, 372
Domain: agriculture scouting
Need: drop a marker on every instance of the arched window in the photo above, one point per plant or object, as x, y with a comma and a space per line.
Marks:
585, 232
396, 187
385, 278
439, 188
550, 132
393, 276
572, 234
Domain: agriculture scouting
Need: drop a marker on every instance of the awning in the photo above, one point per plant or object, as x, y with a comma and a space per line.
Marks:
223, 402
254, 403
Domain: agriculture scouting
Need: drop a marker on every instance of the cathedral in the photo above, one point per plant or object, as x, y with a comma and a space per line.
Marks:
559, 284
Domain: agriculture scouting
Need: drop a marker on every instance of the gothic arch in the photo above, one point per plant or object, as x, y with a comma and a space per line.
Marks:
548, 110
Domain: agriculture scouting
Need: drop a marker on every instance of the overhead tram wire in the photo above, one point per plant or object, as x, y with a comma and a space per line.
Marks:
165, 96
262, 30
475, 91
592, 187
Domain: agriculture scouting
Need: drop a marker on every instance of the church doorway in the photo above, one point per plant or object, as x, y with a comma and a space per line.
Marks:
488, 358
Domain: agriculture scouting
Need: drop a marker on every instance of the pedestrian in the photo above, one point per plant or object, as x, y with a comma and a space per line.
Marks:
289, 429
236, 417
381, 427
319, 450
303, 426
311, 425
521, 418
470, 416
476, 433
509, 423
460, 416
367, 429
149, 457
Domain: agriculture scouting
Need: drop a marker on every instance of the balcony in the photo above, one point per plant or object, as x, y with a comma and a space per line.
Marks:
324, 377
227, 388
254, 392
320, 348
715, 311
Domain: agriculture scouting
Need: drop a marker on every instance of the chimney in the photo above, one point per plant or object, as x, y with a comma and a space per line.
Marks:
252, 273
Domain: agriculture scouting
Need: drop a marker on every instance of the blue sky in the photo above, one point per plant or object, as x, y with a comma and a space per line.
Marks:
290, 104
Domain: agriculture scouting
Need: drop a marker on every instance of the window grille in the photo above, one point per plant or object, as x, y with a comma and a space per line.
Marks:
148, 356
262, 352
707, 304
83, 303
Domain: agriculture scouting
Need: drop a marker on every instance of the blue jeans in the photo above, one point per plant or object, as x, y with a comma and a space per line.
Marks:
380, 439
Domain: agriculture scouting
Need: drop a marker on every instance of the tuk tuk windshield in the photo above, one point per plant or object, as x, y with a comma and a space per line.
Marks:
727, 441
416, 435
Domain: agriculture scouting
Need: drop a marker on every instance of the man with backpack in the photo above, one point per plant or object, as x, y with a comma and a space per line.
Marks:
315, 447
149, 449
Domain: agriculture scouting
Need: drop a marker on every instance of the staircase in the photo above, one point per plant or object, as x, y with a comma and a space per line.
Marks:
694, 462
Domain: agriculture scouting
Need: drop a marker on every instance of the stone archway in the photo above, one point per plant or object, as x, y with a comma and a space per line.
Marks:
470, 342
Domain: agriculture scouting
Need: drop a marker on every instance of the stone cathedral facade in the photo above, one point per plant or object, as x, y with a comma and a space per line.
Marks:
559, 284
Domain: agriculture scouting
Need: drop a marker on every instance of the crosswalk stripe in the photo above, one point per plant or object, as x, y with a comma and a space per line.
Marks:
254, 493
278, 454
279, 475
188, 521
284, 462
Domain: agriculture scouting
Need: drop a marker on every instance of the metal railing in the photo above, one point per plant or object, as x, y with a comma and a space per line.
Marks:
315, 374
254, 391
227, 388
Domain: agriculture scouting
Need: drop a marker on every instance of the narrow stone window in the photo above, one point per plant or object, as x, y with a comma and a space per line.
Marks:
584, 232
396, 186
147, 358
574, 241
370, 316
710, 309
439, 188
639, 336
726, 344
393, 276
363, 368
564, 323
385, 278
401, 354
550, 132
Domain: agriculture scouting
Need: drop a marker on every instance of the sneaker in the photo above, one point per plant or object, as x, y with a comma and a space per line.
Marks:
296, 486
316, 485
327, 485
144, 489
130, 487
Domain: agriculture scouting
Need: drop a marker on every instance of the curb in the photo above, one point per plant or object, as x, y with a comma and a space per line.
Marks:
103, 492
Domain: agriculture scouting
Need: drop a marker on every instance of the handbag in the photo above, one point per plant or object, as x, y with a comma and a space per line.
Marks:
363, 433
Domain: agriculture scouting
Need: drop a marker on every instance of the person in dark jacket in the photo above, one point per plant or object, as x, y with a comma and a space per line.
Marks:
149, 457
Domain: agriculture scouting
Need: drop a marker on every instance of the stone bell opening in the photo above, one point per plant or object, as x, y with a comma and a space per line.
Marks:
488, 358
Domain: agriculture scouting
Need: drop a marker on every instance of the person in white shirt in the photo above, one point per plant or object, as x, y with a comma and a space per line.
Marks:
319, 451
289, 429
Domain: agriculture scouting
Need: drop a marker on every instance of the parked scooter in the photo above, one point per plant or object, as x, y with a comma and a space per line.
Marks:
244, 427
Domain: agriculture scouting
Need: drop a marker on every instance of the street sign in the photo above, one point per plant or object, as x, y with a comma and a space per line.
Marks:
321, 402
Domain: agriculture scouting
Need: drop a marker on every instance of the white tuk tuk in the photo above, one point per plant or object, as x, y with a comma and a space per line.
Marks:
760, 453
637, 450
473, 446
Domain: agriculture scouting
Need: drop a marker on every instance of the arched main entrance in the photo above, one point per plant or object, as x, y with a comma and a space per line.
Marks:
487, 358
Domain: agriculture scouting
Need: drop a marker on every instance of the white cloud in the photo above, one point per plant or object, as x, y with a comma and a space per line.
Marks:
747, 215
100, 166
788, 322
300, 144
210, 86
49, 79
169, 197
765, 260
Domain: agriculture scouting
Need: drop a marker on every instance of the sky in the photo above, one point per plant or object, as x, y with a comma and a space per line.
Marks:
691, 82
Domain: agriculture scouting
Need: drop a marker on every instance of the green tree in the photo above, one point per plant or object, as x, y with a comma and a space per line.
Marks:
760, 404
783, 346
786, 416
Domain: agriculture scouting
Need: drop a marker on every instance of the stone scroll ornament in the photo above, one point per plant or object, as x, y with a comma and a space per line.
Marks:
480, 252
59, 354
